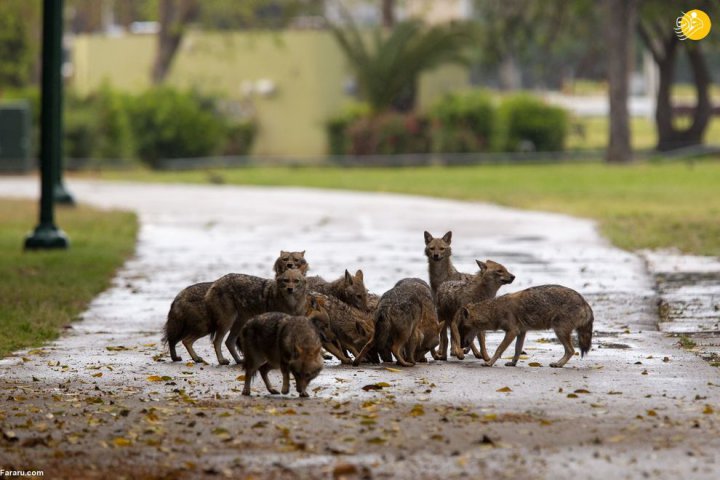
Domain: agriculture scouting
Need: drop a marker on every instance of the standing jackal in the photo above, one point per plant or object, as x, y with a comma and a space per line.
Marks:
351, 326
453, 295
535, 308
277, 340
188, 320
440, 267
234, 298
397, 320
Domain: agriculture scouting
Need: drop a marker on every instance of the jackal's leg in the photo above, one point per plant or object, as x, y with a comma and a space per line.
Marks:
173, 353
518, 350
483, 348
443, 348
286, 379
359, 356
474, 348
222, 330
334, 350
509, 337
456, 341
264, 374
232, 341
188, 342
565, 339
249, 374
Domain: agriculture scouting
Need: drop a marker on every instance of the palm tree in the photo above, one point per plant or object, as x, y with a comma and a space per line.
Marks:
387, 70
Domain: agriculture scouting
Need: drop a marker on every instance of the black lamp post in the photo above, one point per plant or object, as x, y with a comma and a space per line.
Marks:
46, 234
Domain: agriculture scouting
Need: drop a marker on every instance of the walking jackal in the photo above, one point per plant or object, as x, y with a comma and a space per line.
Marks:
234, 298
453, 295
535, 308
188, 320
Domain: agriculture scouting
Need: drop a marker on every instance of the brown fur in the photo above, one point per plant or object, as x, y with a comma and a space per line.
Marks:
535, 308
453, 295
351, 327
398, 315
277, 340
440, 266
188, 320
348, 288
234, 298
291, 261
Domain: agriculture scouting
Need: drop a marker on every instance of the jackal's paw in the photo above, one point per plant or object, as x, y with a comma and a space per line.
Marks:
285, 391
555, 365
176, 358
442, 357
510, 364
198, 360
304, 394
224, 361
486, 364
246, 392
273, 391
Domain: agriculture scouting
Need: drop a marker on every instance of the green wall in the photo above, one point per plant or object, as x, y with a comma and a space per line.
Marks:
307, 68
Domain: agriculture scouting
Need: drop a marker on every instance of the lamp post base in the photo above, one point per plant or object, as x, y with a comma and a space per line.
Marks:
62, 196
46, 237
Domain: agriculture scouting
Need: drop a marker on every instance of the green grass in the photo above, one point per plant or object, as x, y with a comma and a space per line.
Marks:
648, 205
43, 291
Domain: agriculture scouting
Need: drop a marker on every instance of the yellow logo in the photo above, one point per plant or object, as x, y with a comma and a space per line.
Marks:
694, 25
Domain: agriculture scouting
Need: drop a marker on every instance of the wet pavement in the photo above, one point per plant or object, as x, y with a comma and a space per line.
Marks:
106, 399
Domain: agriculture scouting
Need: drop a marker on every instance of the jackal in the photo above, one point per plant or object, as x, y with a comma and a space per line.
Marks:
234, 298
397, 318
188, 320
291, 261
535, 308
278, 340
348, 288
351, 327
453, 295
440, 267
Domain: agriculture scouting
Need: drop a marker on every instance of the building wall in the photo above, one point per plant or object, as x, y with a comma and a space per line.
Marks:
306, 69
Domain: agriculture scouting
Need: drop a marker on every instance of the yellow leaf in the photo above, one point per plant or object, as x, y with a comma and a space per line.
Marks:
582, 390
417, 410
708, 410
572, 395
534, 364
121, 442
652, 413
394, 370
240, 378
158, 378
99, 374
504, 389
376, 440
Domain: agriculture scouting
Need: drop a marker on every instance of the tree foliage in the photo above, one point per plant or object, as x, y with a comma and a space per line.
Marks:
387, 66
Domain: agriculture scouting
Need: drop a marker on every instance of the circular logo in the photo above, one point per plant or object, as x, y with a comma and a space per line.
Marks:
693, 25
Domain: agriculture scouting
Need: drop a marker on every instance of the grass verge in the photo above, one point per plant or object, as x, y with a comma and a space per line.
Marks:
41, 292
647, 205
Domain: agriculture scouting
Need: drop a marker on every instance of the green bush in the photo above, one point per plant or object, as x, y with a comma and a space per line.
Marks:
240, 137
337, 127
463, 122
527, 123
389, 134
168, 123
97, 127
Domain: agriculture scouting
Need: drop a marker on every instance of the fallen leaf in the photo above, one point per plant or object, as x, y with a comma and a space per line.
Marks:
99, 374
651, 413
417, 411
572, 395
375, 386
158, 378
394, 370
376, 440
534, 364
504, 390
708, 410
344, 469
121, 442
582, 390
240, 378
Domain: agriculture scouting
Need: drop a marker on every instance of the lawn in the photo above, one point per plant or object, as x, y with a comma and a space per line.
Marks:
648, 205
42, 292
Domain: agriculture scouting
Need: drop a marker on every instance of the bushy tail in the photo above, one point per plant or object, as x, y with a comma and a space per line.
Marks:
174, 329
585, 332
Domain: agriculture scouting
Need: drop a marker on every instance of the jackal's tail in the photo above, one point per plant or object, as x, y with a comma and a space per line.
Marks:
585, 332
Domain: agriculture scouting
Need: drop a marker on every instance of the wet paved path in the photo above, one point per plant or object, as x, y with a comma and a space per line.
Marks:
637, 405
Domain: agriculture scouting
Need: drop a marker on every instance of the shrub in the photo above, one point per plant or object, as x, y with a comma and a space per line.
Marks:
463, 122
336, 128
168, 123
97, 127
240, 136
527, 123
389, 134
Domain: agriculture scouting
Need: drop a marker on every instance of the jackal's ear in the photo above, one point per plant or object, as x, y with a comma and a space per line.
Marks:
302, 254
465, 313
482, 265
283, 252
359, 275
428, 237
314, 304
348, 278
447, 238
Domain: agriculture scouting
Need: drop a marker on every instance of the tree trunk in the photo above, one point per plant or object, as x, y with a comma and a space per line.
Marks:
388, 13
621, 16
174, 16
509, 73
669, 137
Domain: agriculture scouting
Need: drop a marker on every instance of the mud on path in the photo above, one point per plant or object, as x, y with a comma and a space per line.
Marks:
104, 401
